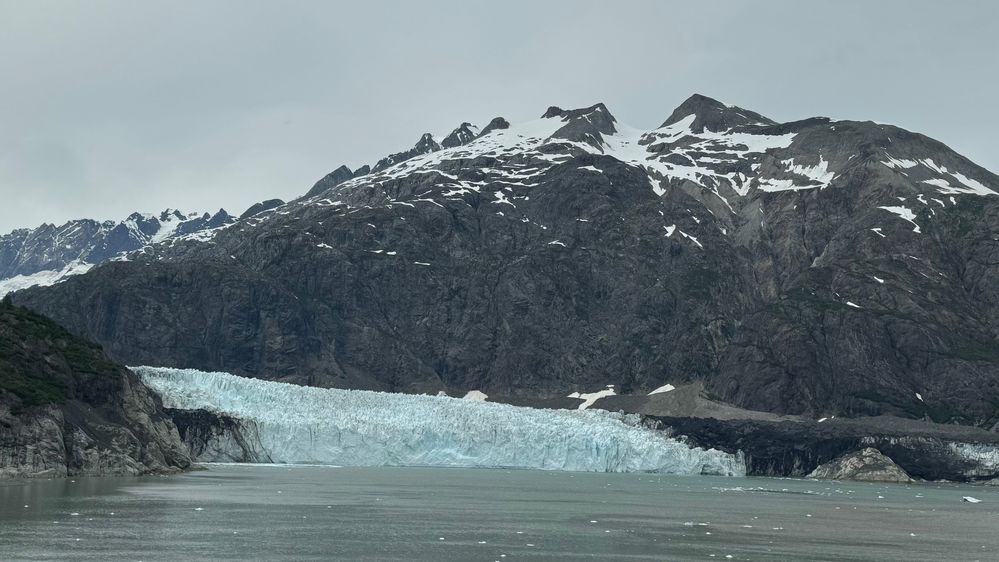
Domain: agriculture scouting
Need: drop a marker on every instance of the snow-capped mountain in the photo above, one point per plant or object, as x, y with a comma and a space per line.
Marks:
816, 267
48, 254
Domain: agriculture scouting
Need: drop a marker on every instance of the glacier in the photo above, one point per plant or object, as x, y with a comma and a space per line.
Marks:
285, 423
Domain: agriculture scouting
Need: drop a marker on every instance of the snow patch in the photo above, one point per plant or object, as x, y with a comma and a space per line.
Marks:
476, 395
905, 214
44, 278
591, 397
662, 389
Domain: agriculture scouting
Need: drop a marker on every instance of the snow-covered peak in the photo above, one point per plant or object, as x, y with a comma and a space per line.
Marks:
713, 115
48, 254
725, 155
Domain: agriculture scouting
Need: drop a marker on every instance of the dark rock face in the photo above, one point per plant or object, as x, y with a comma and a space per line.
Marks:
497, 124
867, 465
588, 125
201, 431
329, 181
462, 135
258, 208
65, 409
816, 268
425, 145
798, 449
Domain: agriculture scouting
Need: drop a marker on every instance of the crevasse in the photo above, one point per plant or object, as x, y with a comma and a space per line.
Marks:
295, 424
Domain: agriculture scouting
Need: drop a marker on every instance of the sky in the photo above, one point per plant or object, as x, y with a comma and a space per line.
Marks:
110, 107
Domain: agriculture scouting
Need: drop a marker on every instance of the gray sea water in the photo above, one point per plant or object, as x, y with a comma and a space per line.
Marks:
326, 513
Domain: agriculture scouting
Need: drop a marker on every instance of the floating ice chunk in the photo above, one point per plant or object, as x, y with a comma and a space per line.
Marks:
285, 423
970, 499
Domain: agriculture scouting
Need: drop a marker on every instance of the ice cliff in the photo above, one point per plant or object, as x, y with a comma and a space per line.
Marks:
285, 423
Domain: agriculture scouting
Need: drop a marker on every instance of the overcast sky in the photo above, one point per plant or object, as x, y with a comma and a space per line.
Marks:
108, 107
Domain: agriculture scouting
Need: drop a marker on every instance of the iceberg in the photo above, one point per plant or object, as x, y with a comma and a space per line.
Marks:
285, 423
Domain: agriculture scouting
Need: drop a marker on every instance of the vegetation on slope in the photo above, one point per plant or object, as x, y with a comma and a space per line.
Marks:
42, 363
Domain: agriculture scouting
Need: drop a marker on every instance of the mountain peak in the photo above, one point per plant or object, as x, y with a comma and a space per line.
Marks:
714, 115
497, 123
462, 134
330, 180
587, 124
426, 144
553, 111
171, 214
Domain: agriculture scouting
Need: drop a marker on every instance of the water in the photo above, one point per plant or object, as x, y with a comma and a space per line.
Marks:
303, 513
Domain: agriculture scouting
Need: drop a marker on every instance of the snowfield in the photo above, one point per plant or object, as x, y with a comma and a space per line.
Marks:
293, 424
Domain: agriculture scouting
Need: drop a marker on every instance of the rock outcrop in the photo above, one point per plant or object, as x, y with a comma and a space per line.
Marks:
797, 447
65, 409
867, 465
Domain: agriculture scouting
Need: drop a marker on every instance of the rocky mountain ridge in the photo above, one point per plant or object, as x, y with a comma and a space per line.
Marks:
49, 253
815, 267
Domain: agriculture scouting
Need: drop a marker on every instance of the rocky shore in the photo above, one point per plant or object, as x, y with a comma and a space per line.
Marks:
66, 410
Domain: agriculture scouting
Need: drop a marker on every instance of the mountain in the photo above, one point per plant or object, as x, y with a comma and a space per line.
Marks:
66, 409
816, 267
48, 254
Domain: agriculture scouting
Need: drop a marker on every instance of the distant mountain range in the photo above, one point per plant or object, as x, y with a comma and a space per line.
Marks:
816, 267
48, 254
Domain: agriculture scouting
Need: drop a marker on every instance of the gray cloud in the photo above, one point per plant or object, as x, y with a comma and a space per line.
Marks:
109, 107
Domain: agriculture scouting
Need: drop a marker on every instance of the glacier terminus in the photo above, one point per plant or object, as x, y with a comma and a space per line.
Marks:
285, 423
